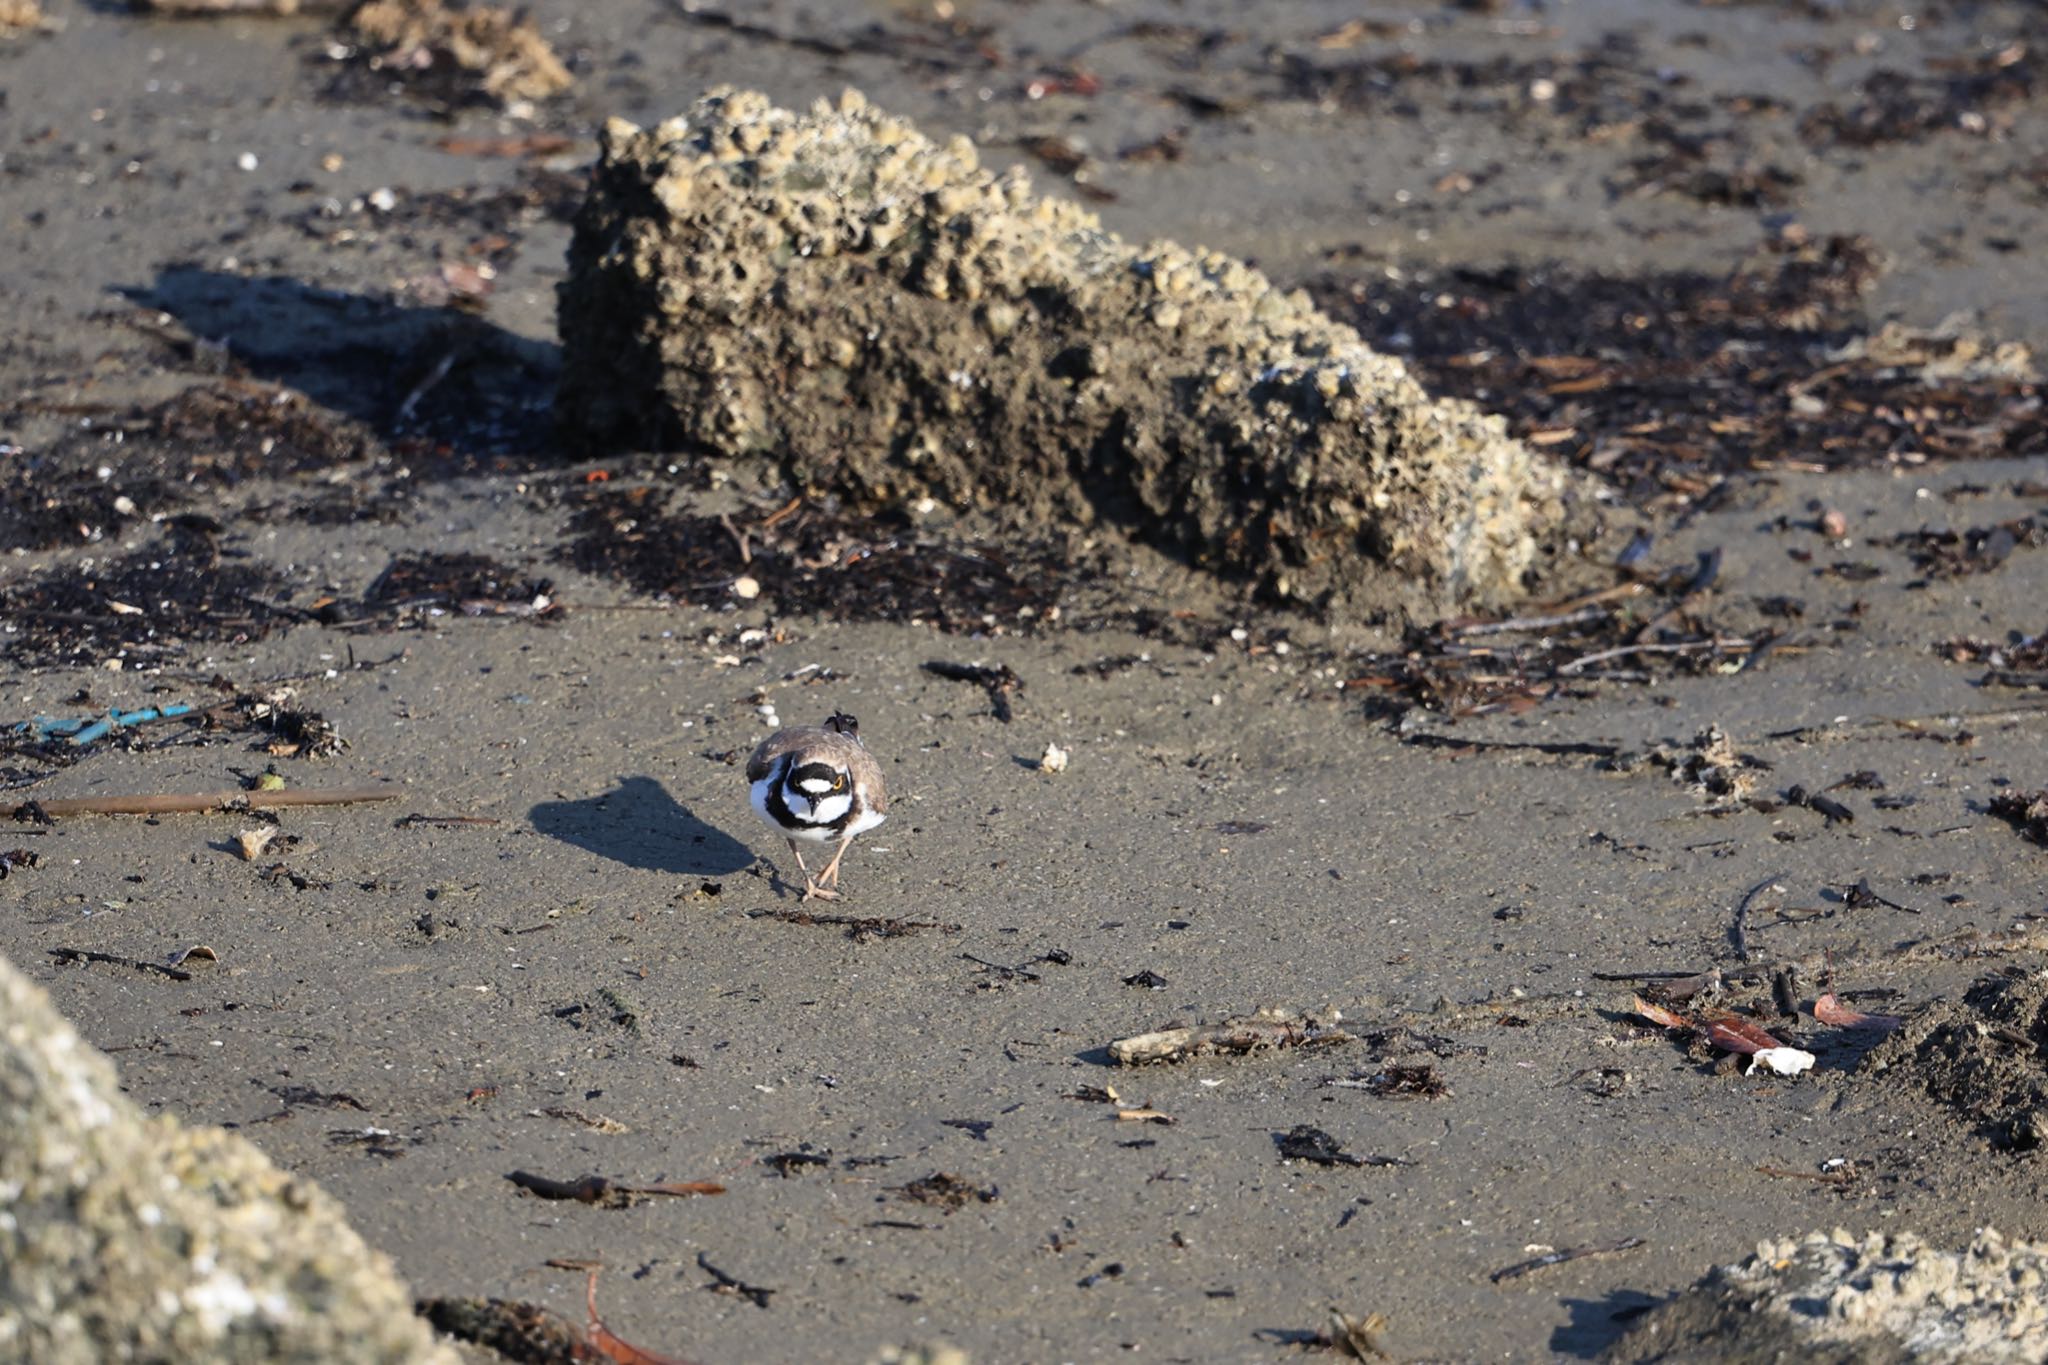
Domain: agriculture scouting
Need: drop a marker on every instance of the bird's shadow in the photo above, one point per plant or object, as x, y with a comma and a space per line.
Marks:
639, 824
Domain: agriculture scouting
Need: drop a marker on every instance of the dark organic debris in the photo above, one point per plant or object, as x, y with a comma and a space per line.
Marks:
787, 1164
71, 956
518, 1331
1982, 95
290, 731
2020, 663
473, 584
297, 1096
947, 1192
1649, 625
2025, 811
141, 607
807, 557
601, 1192
381, 1143
278, 872
1404, 1081
1306, 1143
1862, 895
157, 458
18, 858
1000, 681
1980, 549
1833, 811
1148, 980
1669, 384
722, 1283
859, 928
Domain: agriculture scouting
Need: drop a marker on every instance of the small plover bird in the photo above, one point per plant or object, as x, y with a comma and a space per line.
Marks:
820, 783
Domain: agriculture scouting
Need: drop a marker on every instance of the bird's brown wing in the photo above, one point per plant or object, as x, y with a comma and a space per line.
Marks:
867, 776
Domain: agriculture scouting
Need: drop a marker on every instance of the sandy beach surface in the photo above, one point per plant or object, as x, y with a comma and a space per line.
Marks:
280, 348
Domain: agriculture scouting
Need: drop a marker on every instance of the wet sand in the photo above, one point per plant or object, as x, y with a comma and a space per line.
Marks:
441, 1003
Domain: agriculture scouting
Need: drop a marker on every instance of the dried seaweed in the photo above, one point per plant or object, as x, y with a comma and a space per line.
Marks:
116, 467
1668, 384
1982, 95
2025, 811
1958, 554
1648, 626
811, 558
472, 583
139, 607
947, 1192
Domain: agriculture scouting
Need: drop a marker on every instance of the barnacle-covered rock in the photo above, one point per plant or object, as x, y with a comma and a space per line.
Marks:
1875, 1299
874, 316
124, 1237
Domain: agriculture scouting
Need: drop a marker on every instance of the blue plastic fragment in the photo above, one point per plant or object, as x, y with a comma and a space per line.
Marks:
86, 729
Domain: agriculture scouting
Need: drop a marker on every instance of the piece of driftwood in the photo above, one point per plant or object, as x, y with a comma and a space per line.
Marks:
1269, 1027
172, 803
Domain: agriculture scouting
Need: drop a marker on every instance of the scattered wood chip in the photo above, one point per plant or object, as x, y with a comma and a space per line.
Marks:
1000, 681
1143, 1115
601, 1192
1551, 1258
1269, 1027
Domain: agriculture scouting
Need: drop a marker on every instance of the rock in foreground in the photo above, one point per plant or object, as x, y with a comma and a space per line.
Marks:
130, 1238
875, 317
1845, 1300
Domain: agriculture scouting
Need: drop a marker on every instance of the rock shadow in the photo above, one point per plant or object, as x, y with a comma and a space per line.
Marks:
1596, 1324
641, 825
399, 368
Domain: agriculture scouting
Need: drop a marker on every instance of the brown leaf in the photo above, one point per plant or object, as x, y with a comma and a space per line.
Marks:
1732, 1033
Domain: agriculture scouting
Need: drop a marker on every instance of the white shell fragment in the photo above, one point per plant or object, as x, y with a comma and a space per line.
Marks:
1053, 760
1786, 1061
